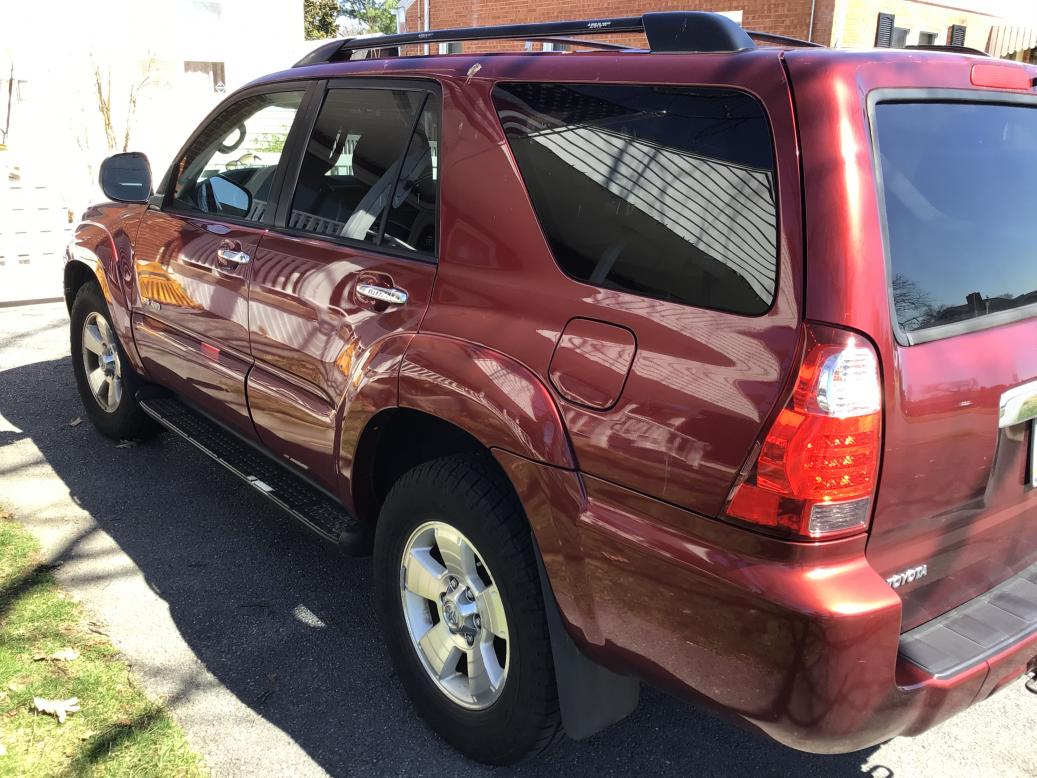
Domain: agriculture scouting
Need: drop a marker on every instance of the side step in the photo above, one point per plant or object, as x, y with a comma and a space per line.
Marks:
306, 502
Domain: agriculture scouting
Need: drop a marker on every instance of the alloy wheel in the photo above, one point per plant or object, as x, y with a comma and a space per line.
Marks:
454, 615
101, 362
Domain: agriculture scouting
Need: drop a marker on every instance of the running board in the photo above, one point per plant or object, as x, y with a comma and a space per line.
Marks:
312, 506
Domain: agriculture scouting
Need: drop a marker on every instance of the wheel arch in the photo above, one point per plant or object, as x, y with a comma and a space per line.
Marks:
96, 253
396, 440
453, 397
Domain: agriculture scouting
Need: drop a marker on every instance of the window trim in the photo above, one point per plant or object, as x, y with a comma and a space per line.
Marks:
286, 194
779, 231
934, 95
163, 199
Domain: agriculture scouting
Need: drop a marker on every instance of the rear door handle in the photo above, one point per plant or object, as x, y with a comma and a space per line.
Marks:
233, 256
382, 294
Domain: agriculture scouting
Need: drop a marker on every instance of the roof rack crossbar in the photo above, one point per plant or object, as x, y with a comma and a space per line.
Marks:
769, 37
673, 31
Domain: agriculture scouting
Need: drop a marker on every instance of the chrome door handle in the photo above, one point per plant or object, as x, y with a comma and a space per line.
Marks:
230, 255
382, 294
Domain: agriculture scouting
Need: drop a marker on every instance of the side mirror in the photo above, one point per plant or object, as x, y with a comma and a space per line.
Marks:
221, 195
126, 178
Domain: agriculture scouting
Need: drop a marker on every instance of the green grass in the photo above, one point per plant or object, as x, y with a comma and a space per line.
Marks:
118, 732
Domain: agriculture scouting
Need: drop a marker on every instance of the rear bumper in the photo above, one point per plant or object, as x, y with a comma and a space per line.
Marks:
799, 641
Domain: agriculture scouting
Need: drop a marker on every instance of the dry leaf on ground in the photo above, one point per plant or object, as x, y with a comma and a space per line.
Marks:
58, 708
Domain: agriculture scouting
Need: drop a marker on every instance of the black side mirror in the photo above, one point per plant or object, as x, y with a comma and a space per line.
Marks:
126, 178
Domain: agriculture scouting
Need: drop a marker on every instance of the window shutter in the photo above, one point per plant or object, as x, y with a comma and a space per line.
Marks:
956, 35
884, 31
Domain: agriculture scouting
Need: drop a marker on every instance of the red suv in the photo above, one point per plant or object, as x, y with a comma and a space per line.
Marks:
711, 366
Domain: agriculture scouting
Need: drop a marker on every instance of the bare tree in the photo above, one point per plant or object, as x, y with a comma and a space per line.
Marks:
103, 90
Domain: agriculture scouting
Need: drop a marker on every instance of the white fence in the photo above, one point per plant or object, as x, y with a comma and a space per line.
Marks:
35, 227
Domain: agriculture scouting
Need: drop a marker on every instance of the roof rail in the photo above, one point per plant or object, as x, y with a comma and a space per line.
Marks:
768, 37
946, 48
671, 31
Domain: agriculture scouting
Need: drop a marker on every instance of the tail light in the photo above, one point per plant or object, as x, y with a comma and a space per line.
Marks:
813, 476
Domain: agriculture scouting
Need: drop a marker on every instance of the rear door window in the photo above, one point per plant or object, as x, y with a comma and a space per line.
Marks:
665, 192
369, 170
959, 213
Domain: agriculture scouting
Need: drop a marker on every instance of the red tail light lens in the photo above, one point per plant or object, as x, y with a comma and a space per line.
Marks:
814, 474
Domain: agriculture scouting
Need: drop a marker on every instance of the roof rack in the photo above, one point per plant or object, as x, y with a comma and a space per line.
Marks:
946, 48
671, 31
768, 37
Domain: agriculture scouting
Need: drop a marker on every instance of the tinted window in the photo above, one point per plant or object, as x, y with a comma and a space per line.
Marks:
959, 185
369, 172
228, 169
665, 192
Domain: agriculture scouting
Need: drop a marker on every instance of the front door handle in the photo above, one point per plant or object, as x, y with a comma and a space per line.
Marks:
233, 256
382, 294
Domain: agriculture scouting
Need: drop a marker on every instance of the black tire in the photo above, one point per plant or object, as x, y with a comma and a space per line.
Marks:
469, 493
126, 421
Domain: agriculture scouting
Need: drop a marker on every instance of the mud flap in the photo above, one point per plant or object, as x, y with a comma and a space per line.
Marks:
590, 696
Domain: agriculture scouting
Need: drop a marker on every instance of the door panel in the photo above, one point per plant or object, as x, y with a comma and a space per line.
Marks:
194, 257
366, 189
193, 334
311, 331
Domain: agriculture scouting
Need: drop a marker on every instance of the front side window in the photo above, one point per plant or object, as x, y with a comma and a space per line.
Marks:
665, 192
229, 168
370, 170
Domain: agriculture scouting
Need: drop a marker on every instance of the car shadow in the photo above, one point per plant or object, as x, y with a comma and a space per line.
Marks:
286, 623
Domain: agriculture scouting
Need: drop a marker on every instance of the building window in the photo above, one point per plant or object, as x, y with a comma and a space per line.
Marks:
213, 72
552, 46
899, 40
453, 47
927, 39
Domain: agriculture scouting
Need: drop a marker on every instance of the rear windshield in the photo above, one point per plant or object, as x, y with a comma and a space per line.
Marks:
959, 184
661, 191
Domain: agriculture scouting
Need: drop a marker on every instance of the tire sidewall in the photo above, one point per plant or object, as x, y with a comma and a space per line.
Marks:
126, 420
503, 720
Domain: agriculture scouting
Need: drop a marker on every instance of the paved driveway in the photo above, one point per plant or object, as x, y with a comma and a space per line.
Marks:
263, 640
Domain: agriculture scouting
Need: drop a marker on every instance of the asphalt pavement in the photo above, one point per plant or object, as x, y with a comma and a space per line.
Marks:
263, 641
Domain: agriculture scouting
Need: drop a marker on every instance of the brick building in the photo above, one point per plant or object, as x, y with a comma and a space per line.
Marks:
1004, 28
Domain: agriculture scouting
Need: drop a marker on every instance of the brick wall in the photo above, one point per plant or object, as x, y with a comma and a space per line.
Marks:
849, 23
782, 17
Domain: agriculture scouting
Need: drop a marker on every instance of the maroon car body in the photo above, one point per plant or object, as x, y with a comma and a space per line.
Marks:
624, 421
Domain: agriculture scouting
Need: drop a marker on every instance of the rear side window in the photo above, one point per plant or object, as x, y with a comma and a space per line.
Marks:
959, 213
369, 172
665, 192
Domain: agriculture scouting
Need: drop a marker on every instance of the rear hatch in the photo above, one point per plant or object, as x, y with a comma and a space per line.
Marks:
956, 508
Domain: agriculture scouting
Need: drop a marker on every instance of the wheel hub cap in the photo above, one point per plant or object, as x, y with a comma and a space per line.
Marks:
454, 615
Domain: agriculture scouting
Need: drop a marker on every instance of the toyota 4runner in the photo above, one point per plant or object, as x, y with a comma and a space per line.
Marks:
711, 365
